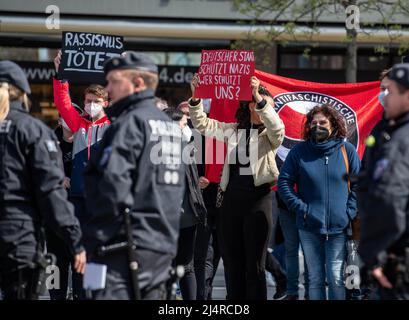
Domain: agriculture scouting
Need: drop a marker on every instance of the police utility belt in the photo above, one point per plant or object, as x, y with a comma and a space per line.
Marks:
130, 247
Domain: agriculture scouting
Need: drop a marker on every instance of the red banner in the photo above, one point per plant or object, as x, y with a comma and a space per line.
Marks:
357, 103
225, 74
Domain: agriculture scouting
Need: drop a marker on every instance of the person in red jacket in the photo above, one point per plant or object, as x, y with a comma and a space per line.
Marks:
87, 134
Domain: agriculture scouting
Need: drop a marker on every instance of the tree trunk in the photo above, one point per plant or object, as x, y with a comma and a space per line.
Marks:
352, 48
351, 56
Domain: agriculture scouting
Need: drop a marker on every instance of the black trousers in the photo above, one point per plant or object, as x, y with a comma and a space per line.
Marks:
395, 270
18, 246
207, 249
19, 285
245, 223
57, 246
186, 246
274, 267
212, 263
154, 272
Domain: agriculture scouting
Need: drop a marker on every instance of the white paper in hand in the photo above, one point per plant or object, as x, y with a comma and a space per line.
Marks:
95, 276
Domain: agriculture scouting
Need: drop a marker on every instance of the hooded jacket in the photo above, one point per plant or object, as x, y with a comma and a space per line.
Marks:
322, 202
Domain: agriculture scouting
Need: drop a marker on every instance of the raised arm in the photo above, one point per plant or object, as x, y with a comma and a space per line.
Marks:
63, 101
206, 126
265, 108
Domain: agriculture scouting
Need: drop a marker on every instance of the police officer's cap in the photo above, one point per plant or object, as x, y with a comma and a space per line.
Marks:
400, 74
13, 74
131, 60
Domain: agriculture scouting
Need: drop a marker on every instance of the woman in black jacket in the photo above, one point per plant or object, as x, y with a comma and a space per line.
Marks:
193, 212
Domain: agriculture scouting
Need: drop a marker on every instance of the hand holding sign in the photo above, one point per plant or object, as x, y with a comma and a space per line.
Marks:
225, 74
194, 84
255, 85
57, 61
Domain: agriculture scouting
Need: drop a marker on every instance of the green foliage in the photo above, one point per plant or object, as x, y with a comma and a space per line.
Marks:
283, 17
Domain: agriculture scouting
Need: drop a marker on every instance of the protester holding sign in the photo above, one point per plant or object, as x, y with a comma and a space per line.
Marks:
87, 134
246, 207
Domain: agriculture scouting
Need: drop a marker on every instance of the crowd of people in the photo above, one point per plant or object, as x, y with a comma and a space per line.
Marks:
112, 186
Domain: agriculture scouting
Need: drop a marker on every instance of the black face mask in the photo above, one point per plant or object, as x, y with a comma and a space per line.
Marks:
319, 134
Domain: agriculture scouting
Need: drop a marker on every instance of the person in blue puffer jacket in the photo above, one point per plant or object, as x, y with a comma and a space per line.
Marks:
324, 202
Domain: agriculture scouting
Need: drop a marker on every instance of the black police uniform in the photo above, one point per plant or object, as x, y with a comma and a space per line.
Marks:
383, 199
124, 174
31, 194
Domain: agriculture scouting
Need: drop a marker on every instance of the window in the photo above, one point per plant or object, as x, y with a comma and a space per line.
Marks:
314, 61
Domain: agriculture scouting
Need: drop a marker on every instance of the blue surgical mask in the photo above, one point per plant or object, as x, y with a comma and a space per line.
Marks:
381, 98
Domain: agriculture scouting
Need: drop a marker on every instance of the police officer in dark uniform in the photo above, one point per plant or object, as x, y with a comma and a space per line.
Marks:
31, 193
134, 186
384, 194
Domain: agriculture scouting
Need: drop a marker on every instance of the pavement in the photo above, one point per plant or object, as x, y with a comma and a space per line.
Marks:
219, 285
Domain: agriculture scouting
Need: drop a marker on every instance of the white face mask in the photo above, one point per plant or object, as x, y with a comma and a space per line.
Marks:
186, 134
93, 109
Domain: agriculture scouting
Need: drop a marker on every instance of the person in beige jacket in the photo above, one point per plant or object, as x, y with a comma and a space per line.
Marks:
248, 173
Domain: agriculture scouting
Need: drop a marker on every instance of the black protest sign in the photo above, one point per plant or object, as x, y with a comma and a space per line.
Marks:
84, 54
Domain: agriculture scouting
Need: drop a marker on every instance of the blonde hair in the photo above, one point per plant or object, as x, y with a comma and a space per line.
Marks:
17, 94
4, 100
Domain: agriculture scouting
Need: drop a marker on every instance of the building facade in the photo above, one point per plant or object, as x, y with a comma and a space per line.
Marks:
173, 33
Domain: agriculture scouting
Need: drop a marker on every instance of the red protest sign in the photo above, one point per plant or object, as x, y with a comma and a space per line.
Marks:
225, 74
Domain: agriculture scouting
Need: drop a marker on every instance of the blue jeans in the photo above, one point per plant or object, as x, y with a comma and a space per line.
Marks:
292, 246
325, 261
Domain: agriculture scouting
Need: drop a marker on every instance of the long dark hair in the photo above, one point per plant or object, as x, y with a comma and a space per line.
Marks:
243, 111
339, 129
